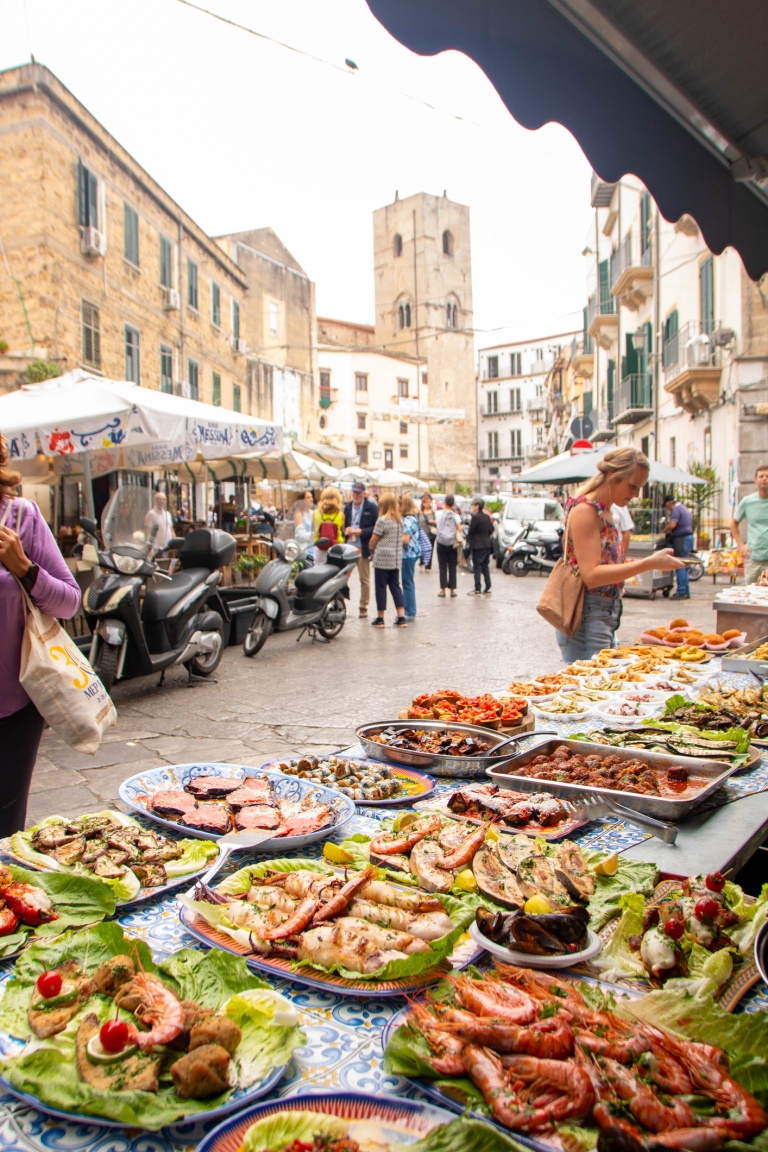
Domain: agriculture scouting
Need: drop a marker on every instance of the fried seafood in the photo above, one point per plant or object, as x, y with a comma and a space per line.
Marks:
441, 741
358, 779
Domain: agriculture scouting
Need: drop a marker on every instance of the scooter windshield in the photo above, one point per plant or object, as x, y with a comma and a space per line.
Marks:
127, 520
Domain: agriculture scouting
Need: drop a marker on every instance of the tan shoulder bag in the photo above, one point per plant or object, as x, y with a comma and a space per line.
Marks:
562, 601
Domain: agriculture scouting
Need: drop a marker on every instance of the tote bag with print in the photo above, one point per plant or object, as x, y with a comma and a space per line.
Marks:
59, 680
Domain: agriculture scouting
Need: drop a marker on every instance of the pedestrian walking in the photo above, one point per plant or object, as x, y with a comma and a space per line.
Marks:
387, 552
428, 524
30, 560
593, 550
360, 516
680, 535
411, 552
447, 536
753, 509
479, 537
328, 523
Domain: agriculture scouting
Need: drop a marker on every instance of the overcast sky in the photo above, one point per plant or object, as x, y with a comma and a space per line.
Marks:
244, 133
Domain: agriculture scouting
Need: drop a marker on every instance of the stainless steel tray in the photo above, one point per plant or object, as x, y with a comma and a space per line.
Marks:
742, 660
714, 771
463, 767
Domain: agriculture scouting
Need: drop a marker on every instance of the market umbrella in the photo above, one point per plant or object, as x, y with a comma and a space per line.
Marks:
568, 469
290, 465
391, 478
333, 456
355, 472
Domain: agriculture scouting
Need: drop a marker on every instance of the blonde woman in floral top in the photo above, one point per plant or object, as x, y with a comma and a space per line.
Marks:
593, 547
387, 553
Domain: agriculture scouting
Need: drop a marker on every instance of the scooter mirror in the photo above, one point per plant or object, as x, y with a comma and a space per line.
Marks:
88, 525
176, 542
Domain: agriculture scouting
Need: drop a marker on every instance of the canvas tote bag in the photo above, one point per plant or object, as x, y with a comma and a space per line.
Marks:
57, 677
562, 601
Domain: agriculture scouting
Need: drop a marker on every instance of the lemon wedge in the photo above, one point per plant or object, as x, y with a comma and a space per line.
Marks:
607, 867
536, 906
492, 833
404, 820
337, 855
466, 880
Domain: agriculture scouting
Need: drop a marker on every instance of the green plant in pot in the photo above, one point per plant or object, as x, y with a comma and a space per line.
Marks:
249, 566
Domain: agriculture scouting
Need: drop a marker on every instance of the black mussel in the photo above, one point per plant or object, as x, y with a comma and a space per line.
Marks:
569, 925
615, 1139
528, 936
556, 932
496, 926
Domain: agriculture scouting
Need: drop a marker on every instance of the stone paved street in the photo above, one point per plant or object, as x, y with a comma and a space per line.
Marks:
309, 697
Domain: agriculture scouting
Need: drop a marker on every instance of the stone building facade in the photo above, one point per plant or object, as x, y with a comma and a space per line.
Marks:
279, 311
423, 293
113, 276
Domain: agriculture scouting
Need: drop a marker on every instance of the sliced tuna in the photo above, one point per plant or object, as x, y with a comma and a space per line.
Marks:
171, 803
213, 787
215, 818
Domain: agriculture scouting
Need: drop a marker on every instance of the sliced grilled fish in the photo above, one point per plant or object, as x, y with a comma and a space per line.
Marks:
424, 857
536, 877
513, 849
572, 871
494, 879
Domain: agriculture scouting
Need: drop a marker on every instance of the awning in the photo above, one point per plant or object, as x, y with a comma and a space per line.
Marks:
674, 92
567, 469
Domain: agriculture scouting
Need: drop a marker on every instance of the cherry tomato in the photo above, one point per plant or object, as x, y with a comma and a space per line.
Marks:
49, 984
113, 1035
715, 881
674, 929
706, 909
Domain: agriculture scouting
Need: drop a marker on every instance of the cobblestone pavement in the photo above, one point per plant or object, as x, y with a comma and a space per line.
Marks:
309, 697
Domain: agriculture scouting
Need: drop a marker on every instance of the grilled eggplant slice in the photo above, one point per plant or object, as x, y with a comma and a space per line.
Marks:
494, 879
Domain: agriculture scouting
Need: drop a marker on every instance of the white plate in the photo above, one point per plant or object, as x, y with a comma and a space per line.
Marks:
545, 715
526, 960
644, 712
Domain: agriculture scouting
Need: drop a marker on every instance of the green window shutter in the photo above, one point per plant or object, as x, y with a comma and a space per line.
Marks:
707, 295
215, 304
166, 368
606, 300
645, 228
192, 284
610, 380
235, 319
646, 355
166, 278
82, 194
131, 234
236, 397
216, 389
629, 362
671, 325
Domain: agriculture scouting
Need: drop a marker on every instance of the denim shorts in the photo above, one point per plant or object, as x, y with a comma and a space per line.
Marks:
599, 623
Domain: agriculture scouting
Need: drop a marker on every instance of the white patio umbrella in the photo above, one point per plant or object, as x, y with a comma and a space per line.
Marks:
290, 465
333, 456
354, 472
567, 469
391, 478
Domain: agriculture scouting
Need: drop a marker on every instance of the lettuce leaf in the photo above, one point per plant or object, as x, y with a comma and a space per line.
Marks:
359, 849
282, 1128
408, 1054
240, 881
632, 876
745, 934
196, 854
464, 1135
707, 972
617, 960
216, 980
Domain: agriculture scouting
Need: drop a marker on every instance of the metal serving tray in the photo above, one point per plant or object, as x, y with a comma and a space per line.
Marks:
742, 660
714, 771
463, 767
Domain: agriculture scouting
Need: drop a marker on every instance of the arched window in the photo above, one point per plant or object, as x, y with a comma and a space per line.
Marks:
404, 314
397, 244
452, 314
447, 243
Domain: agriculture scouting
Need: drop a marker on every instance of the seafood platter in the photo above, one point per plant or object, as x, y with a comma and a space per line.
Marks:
213, 799
134, 862
368, 782
562, 1063
38, 905
446, 749
330, 928
535, 814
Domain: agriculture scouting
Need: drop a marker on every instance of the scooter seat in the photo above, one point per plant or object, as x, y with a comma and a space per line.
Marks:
159, 601
310, 579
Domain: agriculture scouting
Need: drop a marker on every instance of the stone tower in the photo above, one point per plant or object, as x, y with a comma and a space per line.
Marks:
423, 286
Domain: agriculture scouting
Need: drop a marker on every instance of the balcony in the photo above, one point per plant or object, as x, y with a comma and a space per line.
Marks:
583, 356
601, 192
484, 412
631, 272
603, 420
633, 400
535, 454
602, 321
692, 363
486, 458
537, 409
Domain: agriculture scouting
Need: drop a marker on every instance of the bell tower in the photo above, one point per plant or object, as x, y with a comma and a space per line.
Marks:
423, 289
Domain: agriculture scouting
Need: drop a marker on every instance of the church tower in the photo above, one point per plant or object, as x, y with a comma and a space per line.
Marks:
423, 286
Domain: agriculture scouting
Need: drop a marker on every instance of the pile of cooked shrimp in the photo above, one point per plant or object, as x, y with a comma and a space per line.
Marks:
541, 1056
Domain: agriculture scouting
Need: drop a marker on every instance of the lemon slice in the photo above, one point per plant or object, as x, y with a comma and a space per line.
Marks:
466, 880
607, 867
404, 820
492, 833
337, 855
536, 906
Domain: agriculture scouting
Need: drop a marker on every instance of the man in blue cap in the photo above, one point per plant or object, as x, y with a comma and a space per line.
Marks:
680, 530
360, 517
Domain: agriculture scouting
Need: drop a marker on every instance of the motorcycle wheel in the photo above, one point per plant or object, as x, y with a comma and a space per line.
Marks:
518, 568
106, 664
205, 665
257, 634
695, 570
331, 628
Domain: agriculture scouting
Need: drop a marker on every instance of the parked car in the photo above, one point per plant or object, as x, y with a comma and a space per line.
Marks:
521, 510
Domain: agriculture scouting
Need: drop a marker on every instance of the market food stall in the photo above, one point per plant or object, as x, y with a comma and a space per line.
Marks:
379, 873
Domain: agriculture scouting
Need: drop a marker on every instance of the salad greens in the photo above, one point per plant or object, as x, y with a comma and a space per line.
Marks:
460, 1135
77, 901
631, 876
195, 855
215, 979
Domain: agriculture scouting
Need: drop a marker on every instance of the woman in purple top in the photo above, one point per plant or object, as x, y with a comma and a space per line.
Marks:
34, 560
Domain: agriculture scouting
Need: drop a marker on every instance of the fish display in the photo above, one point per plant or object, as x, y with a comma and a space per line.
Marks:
221, 804
548, 1059
113, 847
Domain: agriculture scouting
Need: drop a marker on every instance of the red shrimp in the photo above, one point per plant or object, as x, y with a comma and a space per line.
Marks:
643, 1102
295, 923
547, 1038
463, 855
490, 997
401, 843
341, 899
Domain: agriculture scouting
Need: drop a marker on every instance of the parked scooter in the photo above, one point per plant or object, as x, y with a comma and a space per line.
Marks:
143, 620
314, 603
534, 551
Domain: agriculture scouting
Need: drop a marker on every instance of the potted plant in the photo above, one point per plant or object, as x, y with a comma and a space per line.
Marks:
246, 568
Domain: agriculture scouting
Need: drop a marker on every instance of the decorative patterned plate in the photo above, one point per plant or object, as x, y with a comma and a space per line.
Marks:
135, 791
401, 1121
743, 978
418, 785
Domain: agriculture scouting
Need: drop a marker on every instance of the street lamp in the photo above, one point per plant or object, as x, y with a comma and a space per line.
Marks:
638, 340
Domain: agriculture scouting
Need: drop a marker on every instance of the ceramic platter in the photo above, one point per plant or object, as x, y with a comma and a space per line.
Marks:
10, 1046
548, 832
136, 790
399, 1121
417, 785
527, 960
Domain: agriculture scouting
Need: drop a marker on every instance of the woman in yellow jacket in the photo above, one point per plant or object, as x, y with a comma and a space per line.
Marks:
328, 516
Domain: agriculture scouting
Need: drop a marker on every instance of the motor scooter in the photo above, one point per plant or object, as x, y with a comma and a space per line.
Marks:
534, 551
314, 602
141, 619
